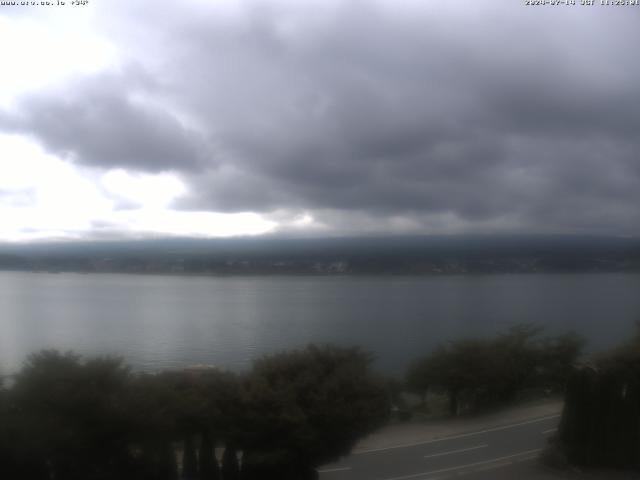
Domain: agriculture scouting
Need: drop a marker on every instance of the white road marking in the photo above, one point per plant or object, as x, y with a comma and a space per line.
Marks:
551, 430
338, 469
495, 466
468, 465
451, 452
454, 437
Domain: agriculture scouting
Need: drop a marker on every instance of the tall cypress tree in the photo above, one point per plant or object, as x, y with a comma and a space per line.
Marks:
190, 460
168, 468
230, 466
209, 469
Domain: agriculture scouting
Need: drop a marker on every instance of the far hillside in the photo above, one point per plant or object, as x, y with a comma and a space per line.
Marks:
429, 255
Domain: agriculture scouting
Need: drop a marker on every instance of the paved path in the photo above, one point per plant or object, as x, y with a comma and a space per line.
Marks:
413, 432
501, 446
497, 447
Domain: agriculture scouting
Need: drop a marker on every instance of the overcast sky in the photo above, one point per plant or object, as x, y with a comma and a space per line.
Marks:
128, 119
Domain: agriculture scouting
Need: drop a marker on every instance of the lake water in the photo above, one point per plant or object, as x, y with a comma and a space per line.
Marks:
159, 322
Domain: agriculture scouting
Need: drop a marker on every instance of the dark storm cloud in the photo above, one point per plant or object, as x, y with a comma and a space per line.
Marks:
384, 111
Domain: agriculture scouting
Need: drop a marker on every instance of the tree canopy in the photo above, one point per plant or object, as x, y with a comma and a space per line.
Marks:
489, 371
600, 424
308, 407
70, 418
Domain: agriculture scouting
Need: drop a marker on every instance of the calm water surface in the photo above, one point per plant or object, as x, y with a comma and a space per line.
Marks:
171, 321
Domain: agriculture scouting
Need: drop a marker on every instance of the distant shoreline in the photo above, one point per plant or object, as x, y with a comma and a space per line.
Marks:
326, 275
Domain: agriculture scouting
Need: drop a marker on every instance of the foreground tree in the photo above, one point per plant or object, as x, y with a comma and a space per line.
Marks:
68, 418
462, 369
184, 410
153, 412
207, 463
477, 373
230, 464
308, 407
557, 360
600, 425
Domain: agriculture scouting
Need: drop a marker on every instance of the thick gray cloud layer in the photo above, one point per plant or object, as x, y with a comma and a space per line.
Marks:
491, 114
99, 122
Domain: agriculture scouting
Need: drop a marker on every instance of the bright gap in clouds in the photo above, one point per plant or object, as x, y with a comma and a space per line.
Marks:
37, 52
42, 196
148, 190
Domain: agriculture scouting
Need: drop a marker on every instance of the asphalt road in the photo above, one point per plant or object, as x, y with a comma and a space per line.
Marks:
508, 451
